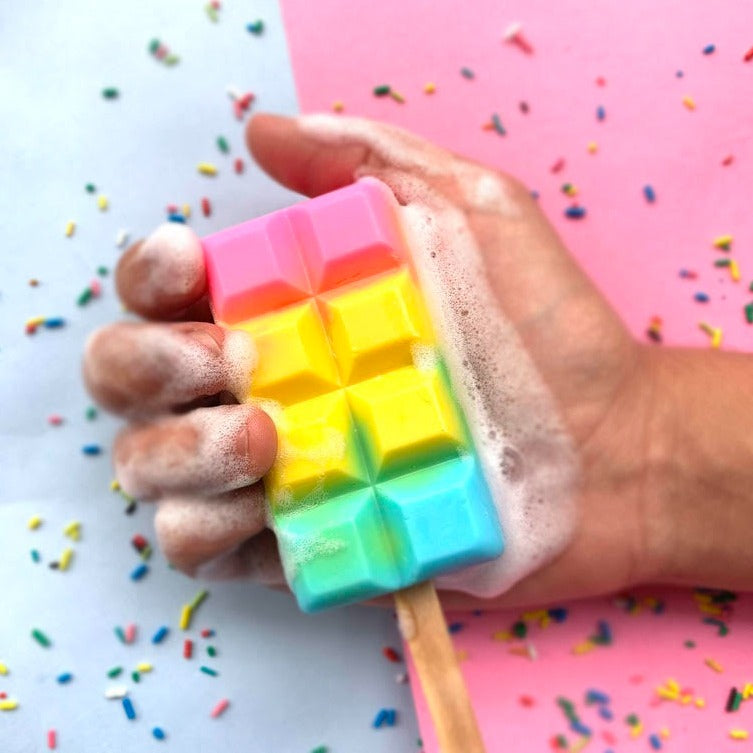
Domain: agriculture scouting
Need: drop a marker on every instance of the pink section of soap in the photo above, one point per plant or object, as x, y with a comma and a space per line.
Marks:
349, 234
254, 267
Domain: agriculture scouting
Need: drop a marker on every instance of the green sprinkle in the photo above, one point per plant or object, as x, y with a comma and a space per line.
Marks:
735, 706
211, 12
35, 556
212, 651
120, 633
256, 27
520, 629
382, 91
749, 313
41, 638
154, 46
146, 553
722, 262
632, 720
209, 671
171, 59
199, 598
90, 188
561, 741
320, 749
222, 144
91, 413
110, 92
103, 271
114, 672
84, 297
135, 676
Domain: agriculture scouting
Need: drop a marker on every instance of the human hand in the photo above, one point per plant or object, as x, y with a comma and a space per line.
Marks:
571, 387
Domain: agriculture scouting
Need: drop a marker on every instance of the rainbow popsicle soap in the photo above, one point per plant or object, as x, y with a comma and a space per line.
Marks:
377, 484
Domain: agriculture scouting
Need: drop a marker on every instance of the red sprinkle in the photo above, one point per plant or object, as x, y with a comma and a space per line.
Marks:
219, 708
130, 633
96, 288
728, 160
54, 419
390, 654
171, 209
239, 166
527, 701
557, 166
206, 207
748, 55
187, 648
601, 81
3, 694
608, 737
207, 633
139, 542
52, 739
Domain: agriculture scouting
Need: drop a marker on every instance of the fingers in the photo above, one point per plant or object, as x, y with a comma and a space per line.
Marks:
136, 369
205, 452
193, 531
257, 559
163, 276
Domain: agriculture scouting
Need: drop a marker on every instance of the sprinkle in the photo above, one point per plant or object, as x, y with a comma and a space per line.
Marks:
116, 692
749, 313
390, 654
601, 113
514, 35
524, 107
66, 558
211, 651
338, 105
70, 228
708, 49
185, 617
592, 147
207, 633
575, 212
713, 664
91, 449
110, 92
569, 189
597, 696
52, 739
206, 168
41, 638
738, 734
255, 27
8, 704
689, 102
211, 11
723, 242
320, 749
35, 556
208, 671
384, 717
220, 708
158, 733
748, 55
161, 634
3, 669
497, 125
654, 741
467, 73
34, 522
114, 672
199, 599
429, 88
397, 96
90, 188
722, 262
139, 572
649, 193
238, 166
128, 708
733, 700
102, 203
557, 166
222, 144
734, 271
121, 238
120, 634
716, 338
206, 207
187, 648
728, 160
382, 90
701, 297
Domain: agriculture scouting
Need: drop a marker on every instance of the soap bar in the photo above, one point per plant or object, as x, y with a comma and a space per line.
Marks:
376, 485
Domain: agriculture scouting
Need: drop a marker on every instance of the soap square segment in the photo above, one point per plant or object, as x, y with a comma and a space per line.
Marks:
337, 552
406, 419
440, 518
294, 357
318, 454
350, 234
254, 267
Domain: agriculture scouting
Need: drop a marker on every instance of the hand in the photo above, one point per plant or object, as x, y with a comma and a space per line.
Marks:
577, 396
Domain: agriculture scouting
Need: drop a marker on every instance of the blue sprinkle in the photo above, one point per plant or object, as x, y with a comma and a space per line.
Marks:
379, 719
159, 636
467, 73
128, 708
257, 27
558, 614
497, 123
605, 632
391, 717
601, 113
575, 213
176, 218
64, 678
577, 726
35, 556
534, 195
54, 322
139, 571
158, 733
709, 49
701, 297
649, 193
596, 696
455, 627
679, 74
606, 713
655, 741
91, 449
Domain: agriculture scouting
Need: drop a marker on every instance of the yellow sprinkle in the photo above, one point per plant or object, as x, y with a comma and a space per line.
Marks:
583, 648
686, 699
710, 609
705, 327
636, 729
3, 669
65, 558
102, 202
206, 168
536, 614
115, 485
34, 522
8, 704
689, 102
397, 96
592, 147
738, 734
734, 271
185, 617
430, 88
571, 190
35, 321
338, 106
700, 703
502, 635
716, 338
186, 210
544, 621
723, 241
664, 733
673, 685
713, 664
747, 691
579, 744
144, 666
73, 530
667, 694
70, 228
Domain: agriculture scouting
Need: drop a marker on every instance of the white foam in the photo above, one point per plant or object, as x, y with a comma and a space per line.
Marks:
528, 458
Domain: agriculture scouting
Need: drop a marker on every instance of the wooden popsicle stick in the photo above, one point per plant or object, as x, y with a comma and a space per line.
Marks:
423, 628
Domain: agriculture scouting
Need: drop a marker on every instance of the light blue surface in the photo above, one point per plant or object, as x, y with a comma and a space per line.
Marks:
294, 681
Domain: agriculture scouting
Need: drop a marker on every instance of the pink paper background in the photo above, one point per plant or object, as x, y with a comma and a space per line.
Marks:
633, 250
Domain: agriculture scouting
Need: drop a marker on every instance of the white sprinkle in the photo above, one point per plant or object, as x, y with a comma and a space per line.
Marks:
513, 30
116, 692
121, 238
233, 92
401, 678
